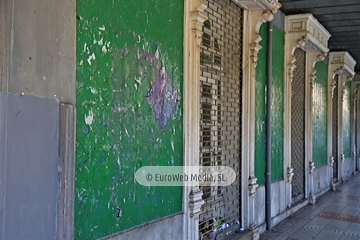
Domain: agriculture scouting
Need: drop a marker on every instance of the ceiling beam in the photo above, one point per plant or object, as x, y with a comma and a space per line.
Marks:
317, 3
341, 43
333, 10
345, 34
349, 45
341, 23
343, 29
340, 38
342, 16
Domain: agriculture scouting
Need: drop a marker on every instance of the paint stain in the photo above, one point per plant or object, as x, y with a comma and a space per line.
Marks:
161, 97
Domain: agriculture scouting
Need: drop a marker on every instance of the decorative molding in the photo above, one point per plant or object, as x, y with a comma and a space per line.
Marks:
305, 32
342, 157
332, 161
195, 203
252, 186
194, 18
311, 35
253, 19
343, 79
313, 58
311, 167
340, 63
272, 5
256, 18
197, 21
290, 174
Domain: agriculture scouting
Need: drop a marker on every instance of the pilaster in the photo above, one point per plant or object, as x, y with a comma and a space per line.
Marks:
305, 32
192, 195
256, 13
341, 64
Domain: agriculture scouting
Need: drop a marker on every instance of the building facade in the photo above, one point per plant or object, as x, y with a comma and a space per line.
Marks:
91, 91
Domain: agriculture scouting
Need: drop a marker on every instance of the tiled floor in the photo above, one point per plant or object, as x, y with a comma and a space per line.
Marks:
336, 215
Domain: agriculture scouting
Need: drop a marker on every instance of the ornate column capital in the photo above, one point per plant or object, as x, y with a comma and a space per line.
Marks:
257, 18
305, 32
198, 18
271, 5
290, 174
195, 203
342, 64
194, 19
332, 161
311, 167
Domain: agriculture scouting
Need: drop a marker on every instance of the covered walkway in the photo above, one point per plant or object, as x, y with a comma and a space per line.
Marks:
336, 215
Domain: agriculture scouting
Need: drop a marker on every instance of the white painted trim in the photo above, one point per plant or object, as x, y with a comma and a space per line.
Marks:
252, 24
4, 77
311, 60
342, 80
272, 5
341, 64
288, 56
302, 31
310, 34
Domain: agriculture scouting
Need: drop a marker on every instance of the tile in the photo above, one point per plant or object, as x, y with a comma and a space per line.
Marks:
335, 209
352, 234
345, 217
350, 197
354, 227
320, 221
336, 215
338, 224
356, 219
327, 235
305, 234
351, 211
346, 238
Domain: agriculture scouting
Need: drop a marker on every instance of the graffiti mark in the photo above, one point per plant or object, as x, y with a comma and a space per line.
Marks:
138, 66
161, 97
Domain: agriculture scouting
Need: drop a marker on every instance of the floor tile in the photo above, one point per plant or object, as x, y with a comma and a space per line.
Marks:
326, 235
336, 215
338, 224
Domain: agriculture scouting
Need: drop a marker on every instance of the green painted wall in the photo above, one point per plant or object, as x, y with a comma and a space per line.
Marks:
277, 106
260, 108
347, 121
319, 115
129, 111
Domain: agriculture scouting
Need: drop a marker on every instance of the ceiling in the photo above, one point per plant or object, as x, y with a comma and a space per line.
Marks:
340, 17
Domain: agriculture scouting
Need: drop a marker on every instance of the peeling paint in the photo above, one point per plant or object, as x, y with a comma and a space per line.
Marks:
112, 84
89, 118
91, 57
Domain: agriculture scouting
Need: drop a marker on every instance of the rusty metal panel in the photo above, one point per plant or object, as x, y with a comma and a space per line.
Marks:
298, 126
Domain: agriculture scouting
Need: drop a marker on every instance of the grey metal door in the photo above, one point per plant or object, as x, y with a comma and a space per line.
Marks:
335, 111
298, 127
220, 125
